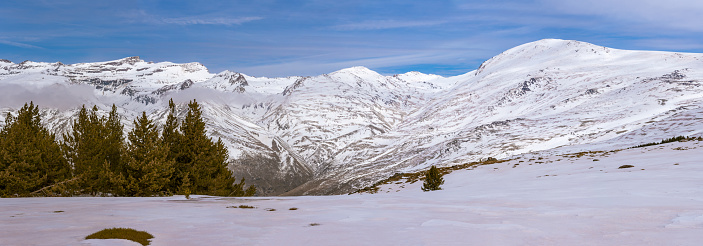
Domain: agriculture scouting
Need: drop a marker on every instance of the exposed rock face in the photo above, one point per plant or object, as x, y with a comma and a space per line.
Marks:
333, 133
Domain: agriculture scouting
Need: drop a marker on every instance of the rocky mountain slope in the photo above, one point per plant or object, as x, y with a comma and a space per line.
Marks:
337, 132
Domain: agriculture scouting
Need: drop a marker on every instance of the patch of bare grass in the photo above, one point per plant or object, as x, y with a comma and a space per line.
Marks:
242, 206
140, 237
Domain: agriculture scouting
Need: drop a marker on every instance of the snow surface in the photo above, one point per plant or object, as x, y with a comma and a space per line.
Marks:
536, 199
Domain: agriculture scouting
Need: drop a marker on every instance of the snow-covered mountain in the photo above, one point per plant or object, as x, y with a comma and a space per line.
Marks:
333, 133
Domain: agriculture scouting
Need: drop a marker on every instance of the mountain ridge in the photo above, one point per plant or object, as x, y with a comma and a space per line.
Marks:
336, 132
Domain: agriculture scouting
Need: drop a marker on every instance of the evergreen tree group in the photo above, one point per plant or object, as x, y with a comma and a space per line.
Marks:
96, 159
30, 157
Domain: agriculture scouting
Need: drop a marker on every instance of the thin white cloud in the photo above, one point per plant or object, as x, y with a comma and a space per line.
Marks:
669, 44
144, 17
387, 24
21, 45
306, 67
645, 14
210, 21
471, 49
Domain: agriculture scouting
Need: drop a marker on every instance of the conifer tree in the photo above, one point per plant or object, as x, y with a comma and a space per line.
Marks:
433, 179
114, 141
94, 148
30, 157
170, 133
204, 160
171, 138
201, 161
148, 170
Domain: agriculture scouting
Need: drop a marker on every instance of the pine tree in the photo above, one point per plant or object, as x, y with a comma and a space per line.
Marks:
148, 170
170, 133
94, 148
171, 139
30, 157
433, 179
114, 141
203, 161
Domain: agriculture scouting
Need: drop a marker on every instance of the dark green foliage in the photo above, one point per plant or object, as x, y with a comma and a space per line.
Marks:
141, 237
148, 170
170, 135
114, 141
200, 164
95, 159
30, 157
433, 180
95, 147
250, 191
671, 140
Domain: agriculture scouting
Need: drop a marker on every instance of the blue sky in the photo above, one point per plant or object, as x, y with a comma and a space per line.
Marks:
282, 38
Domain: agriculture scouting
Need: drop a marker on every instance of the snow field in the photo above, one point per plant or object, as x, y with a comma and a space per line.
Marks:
555, 200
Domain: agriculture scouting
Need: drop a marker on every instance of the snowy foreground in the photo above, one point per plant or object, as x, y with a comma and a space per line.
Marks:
555, 200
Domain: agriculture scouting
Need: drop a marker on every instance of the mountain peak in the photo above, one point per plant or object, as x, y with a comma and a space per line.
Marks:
557, 45
127, 60
356, 70
131, 60
546, 51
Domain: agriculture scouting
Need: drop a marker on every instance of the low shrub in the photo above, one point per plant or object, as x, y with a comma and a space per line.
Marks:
241, 206
141, 237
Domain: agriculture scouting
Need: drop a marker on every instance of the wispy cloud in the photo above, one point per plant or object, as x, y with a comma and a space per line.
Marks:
669, 44
387, 24
641, 14
21, 45
210, 21
375, 59
143, 16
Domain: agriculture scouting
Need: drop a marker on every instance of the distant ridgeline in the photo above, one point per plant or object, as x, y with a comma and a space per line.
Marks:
95, 158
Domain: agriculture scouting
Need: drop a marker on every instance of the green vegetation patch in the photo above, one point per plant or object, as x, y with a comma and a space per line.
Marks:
671, 140
141, 237
420, 175
242, 206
